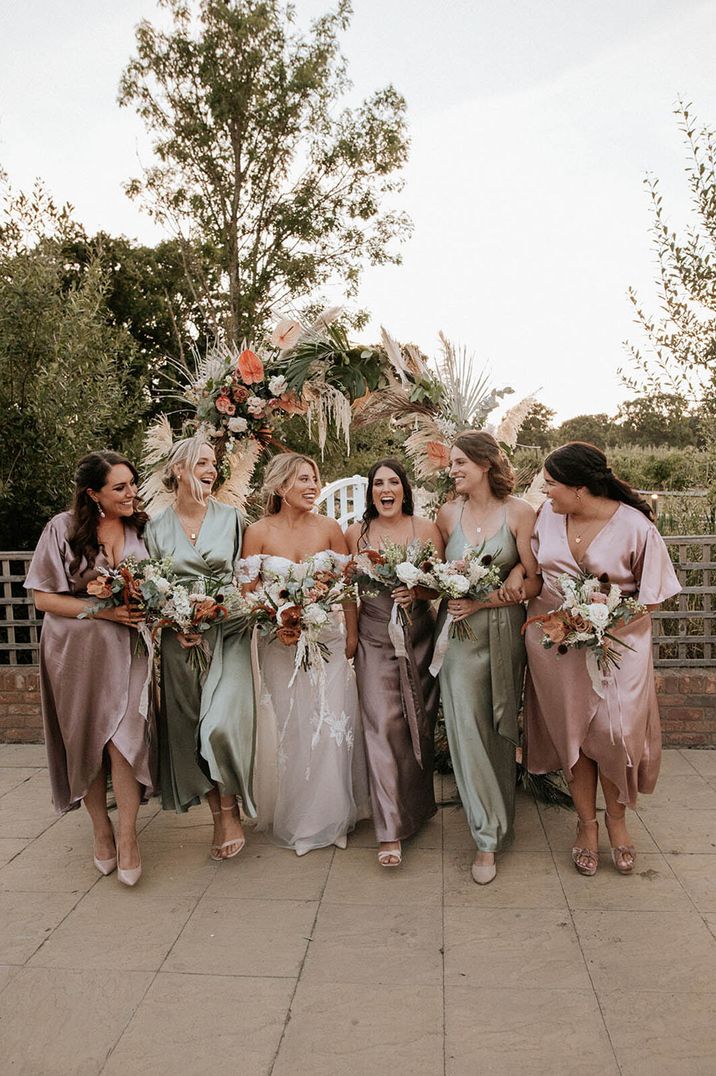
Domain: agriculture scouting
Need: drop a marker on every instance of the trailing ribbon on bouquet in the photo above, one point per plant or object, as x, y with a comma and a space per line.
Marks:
396, 630
441, 645
147, 638
602, 683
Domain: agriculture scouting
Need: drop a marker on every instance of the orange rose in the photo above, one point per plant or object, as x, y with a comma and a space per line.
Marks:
554, 628
250, 367
204, 609
291, 617
99, 587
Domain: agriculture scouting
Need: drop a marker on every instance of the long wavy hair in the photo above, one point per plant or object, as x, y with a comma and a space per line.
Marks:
185, 452
580, 464
371, 512
481, 447
91, 474
281, 471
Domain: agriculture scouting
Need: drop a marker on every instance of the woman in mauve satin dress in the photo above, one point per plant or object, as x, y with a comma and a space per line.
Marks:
595, 523
93, 678
399, 697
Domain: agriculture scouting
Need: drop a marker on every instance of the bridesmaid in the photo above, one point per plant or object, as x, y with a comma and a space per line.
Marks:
206, 729
399, 698
593, 522
481, 679
93, 679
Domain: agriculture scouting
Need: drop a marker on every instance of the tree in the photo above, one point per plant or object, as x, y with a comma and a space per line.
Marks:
537, 429
661, 418
253, 161
64, 382
596, 429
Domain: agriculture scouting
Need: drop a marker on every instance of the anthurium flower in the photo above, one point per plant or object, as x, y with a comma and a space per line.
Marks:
250, 367
286, 334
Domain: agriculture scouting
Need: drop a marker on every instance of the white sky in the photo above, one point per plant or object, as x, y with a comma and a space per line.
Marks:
532, 122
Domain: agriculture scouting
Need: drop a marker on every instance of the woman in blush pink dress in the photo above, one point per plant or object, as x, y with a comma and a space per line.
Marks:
594, 523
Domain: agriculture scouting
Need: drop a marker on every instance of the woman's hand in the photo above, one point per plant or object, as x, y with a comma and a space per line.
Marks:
120, 614
188, 639
351, 645
459, 608
404, 596
513, 588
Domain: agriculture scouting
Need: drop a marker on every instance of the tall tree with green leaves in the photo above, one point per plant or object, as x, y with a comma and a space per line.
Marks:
68, 373
256, 162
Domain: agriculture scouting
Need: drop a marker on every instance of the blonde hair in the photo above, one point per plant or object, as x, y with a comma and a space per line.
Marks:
282, 471
481, 447
185, 452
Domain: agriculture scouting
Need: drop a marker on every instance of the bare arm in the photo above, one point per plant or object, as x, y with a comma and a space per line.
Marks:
69, 606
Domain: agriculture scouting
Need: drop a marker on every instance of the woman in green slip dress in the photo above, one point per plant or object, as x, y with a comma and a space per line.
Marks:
481, 678
206, 726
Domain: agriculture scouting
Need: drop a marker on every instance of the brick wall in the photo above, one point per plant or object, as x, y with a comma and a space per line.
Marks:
687, 700
20, 720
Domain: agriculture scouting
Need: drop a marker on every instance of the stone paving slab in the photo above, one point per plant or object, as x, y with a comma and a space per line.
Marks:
328, 965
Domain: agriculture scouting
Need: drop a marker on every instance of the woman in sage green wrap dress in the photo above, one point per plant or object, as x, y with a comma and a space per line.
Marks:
481, 678
206, 726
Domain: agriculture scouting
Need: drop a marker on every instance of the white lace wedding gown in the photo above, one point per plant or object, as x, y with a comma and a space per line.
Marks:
310, 779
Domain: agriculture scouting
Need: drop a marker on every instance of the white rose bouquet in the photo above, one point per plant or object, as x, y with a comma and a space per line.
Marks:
394, 566
591, 609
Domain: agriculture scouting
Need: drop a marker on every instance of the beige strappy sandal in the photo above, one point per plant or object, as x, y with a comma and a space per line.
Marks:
586, 860
385, 855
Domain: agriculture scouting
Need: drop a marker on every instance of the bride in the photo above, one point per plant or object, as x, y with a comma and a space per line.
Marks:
309, 792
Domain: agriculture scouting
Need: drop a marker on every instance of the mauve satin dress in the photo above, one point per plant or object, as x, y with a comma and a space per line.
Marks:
399, 700
563, 713
91, 677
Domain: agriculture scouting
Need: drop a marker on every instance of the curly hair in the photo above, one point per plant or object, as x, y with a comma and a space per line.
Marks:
481, 447
91, 474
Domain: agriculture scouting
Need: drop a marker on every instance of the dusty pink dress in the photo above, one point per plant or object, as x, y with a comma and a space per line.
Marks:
92, 676
563, 713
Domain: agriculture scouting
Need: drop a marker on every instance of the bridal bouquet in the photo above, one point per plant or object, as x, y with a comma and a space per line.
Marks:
295, 606
591, 609
138, 585
394, 566
473, 577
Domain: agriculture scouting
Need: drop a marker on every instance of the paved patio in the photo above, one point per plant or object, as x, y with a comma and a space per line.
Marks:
328, 965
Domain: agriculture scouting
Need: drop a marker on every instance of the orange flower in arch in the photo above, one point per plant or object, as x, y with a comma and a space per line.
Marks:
438, 455
250, 367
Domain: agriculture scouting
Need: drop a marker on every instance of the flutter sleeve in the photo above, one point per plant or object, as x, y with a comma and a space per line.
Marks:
535, 536
49, 566
653, 571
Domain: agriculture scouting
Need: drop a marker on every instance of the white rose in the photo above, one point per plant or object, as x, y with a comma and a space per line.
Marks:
255, 405
323, 561
248, 568
598, 614
238, 425
315, 616
408, 573
459, 584
278, 385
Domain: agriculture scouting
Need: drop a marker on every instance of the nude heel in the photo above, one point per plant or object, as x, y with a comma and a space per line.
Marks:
588, 868
623, 855
106, 866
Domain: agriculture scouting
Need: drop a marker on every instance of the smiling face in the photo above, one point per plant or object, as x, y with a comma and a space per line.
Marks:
204, 473
387, 493
302, 493
467, 475
117, 497
562, 498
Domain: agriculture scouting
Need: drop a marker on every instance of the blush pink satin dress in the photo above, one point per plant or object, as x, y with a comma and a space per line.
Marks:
563, 714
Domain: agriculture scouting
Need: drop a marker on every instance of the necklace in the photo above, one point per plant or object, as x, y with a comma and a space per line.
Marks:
578, 537
191, 532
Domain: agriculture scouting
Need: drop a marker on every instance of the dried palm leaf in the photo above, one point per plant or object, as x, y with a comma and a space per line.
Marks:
513, 419
236, 488
395, 356
327, 406
158, 442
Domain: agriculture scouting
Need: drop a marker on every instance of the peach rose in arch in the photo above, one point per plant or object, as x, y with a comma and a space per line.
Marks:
286, 334
250, 367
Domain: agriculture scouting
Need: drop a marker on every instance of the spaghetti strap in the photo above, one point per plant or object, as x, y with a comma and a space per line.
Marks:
412, 524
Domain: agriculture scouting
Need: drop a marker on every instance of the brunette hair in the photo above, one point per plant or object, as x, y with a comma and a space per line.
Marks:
581, 464
91, 474
481, 447
281, 471
186, 451
371, 512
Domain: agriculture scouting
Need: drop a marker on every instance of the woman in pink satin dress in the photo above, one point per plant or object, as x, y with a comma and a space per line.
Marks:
593, 522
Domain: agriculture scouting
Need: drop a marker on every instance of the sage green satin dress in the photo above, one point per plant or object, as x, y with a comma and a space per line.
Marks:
206, 730
481, 689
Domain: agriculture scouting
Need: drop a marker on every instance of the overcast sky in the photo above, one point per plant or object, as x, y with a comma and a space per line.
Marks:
532, 123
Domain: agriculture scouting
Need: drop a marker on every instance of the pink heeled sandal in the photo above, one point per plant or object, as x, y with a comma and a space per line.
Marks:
586, 860
623, 855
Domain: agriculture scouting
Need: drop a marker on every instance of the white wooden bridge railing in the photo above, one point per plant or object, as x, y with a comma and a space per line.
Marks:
344, 499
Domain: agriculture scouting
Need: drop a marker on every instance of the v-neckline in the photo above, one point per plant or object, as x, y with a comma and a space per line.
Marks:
600, 532
187, 539
123, 552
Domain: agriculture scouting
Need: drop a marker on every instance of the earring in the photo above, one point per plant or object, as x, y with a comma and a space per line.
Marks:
98, 506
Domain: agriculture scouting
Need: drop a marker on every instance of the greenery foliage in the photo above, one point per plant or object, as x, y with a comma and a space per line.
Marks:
255, 164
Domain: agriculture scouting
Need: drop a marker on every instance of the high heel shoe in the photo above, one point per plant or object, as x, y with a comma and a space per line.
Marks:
216, 849
130, 876
391, 857
623, 855
106, 866
586, 860
483, 873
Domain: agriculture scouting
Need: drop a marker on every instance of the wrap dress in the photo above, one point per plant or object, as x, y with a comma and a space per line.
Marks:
206, 726
563, 713
93, 676
481, 685
399, 699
